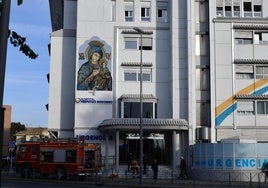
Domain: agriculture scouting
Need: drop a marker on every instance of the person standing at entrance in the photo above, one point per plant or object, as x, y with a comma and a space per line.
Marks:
145, 164
155, 169
129, 161
183, 169
135, 167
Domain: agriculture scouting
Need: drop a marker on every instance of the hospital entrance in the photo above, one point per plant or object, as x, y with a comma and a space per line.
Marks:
155, 146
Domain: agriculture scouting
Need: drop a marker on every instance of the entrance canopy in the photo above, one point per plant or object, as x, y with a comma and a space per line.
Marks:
133, 124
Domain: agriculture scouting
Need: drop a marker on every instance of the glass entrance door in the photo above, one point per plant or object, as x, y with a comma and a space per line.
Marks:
155, 146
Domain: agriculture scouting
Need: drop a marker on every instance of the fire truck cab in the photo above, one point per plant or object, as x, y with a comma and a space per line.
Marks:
58, 158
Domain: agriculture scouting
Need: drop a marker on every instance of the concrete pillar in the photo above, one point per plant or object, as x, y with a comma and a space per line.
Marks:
174, 150
117, 150
106, 170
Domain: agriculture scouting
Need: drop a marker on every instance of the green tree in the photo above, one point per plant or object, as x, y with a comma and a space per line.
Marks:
16, 127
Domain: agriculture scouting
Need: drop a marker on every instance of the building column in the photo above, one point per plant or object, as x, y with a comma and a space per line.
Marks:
174, 157
176, 151
106, 155
117, 150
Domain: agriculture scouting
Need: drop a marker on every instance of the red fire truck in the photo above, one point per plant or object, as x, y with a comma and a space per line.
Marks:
58, 158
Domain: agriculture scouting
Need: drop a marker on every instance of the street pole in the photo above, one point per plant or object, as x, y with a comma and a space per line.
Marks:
141, 116
141, 33
4, 25
141, 107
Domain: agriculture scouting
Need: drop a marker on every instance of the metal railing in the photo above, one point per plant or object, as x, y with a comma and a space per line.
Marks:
229, 177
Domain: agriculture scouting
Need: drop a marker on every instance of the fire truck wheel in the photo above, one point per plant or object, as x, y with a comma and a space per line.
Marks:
60, 174
25, 172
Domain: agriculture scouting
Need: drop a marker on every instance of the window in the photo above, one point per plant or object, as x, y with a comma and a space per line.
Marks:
203, 113
243, 37
34, 150
202, 79
71, 156
261, 72
130, 42
257, 11
90, 158
162, 12
228, 11
47, 156
244, 75
236, 11
134, 75
219, 8
247, 9
219, 11
261, 38
146, 75
130, 75
129, 13
245, 107
262, 107
132, 109
146, 12
113, 10
135, 43
129, 16
244, 72
201, 44
22, 149
146, 43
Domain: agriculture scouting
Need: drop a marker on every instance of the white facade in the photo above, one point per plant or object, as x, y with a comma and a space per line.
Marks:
196, 70
239, 39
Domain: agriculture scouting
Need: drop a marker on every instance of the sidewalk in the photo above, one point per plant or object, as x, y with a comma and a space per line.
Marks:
168, 183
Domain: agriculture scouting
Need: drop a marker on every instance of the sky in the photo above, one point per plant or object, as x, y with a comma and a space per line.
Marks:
26, 85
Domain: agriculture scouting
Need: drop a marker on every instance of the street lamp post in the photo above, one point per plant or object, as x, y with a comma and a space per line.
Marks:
141, 32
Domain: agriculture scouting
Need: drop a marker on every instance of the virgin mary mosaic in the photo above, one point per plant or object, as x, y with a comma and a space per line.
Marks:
94, 74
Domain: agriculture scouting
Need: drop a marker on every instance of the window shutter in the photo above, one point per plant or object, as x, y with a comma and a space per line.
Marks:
245, 106
146, 41
228, 2
243, 34
146, 4
219, 3
236, 3
162, 5
244, 68
128, 7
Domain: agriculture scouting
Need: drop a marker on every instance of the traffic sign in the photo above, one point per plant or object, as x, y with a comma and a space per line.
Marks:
12, 144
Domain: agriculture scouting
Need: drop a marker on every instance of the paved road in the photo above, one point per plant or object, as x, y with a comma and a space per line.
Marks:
10, 180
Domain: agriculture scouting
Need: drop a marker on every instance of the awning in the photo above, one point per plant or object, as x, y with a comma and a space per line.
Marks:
136, 98
253, 97
137, 64
251, 61
133, 124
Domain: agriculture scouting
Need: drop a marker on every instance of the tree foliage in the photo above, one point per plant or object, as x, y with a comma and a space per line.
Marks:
16, 127
19, 41
20, 2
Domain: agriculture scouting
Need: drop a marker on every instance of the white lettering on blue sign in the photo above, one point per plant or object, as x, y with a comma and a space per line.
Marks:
238, 163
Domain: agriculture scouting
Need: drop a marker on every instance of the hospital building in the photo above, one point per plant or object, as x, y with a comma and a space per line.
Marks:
192, 73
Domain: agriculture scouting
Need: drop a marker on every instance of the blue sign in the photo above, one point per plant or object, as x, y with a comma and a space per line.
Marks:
12, 144
91, 137
230, 156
